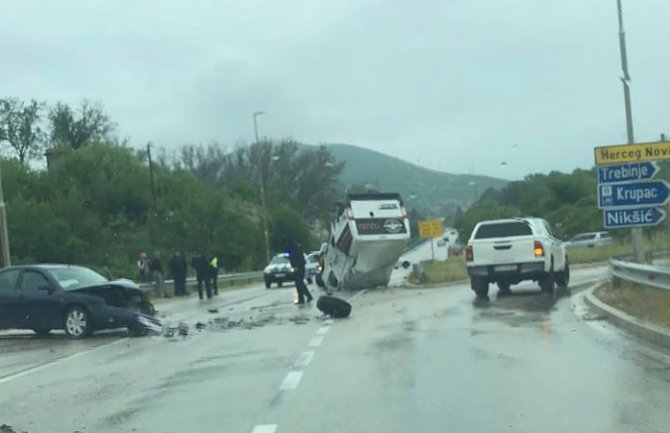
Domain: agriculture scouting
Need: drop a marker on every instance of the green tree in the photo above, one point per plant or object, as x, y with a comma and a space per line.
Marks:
20, 127
74, 129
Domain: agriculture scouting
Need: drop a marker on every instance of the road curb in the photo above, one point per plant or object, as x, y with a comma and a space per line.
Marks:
640, 328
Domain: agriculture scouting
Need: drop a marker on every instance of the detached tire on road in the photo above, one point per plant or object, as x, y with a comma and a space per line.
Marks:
334, 307
480, 287
77, 322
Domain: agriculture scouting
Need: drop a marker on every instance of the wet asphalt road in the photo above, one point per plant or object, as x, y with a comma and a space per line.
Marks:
420, 360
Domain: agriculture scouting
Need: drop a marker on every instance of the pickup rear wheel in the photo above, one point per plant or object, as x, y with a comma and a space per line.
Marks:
503, 286
480, 287
547, 280
563, 277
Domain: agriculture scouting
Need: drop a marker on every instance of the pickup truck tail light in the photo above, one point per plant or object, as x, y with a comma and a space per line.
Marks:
538, 249
469, 254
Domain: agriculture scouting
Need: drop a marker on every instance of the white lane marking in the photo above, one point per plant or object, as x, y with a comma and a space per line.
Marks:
316, 341
323, 330
291, 380
56, 361
265, 428
328, 322
305, 358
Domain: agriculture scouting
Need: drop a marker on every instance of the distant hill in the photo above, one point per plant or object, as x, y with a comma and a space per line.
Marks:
428, 191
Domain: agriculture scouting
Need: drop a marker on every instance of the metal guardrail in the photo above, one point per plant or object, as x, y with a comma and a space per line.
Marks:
223, 278
647, 275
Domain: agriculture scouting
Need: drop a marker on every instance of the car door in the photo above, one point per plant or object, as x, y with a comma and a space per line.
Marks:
9, 299
41, 306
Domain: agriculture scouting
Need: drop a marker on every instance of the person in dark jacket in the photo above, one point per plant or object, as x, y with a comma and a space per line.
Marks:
178, 270
199, 263
156, 268
297, 259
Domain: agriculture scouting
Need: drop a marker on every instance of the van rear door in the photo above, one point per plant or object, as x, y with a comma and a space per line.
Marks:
378, 216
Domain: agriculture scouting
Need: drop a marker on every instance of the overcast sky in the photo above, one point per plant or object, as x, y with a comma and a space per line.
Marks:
457, 85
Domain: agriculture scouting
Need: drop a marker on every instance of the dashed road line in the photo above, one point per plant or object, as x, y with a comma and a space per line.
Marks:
265, 428
54, 362
316, 341
323, 330
291, 380
305, 359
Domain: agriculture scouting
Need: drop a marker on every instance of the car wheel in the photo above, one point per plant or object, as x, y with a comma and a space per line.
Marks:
334, 307
78, 322
503, 286
280, 283
563, 277
268, 284
42, 332
547, 280
480, 287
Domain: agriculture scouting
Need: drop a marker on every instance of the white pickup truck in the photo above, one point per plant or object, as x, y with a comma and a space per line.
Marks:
509, 251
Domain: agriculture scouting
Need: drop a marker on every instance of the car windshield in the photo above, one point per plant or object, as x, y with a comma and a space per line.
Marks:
73, 278
279, 260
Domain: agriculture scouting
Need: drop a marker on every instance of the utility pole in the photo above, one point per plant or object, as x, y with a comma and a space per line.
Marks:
636, 232
262, 181
151, 174
4, 232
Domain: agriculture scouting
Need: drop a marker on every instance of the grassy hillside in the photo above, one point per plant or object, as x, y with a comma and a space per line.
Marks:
428, 191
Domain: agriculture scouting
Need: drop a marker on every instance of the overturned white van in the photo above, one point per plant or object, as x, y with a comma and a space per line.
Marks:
366, 239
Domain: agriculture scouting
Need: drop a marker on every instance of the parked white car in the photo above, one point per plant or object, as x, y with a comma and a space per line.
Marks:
509, 251
594, 239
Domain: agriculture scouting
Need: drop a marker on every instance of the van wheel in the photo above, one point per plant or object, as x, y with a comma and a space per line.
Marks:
480, 287
563, 277
268, 284
280, 283
334, 307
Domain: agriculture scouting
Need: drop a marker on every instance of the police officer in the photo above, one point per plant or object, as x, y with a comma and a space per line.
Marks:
214, 273
297, 259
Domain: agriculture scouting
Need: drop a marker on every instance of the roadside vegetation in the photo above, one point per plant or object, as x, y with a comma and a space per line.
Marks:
646, 303
100, 202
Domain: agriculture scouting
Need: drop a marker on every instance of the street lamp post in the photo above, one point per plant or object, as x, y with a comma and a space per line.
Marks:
4, 232
636, 232
262, 182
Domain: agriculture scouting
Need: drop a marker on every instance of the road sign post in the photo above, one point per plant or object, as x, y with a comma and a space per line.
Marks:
431, 229
634, 194
633, 217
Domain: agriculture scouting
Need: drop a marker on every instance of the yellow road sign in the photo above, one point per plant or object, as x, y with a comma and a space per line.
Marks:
431, 229
632, 153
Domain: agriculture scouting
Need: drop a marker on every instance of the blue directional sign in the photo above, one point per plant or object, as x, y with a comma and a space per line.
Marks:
635, 194
637, 217
627, 172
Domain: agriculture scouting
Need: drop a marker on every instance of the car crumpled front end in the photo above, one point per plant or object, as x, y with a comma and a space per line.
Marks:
125, 306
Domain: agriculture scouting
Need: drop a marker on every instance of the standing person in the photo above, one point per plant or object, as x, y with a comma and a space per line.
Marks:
143, 265
201, 267
157, 271
178, 271
214, 273
184, 265
297, 259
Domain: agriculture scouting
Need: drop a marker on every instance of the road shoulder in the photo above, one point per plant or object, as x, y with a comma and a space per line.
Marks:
653, 333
